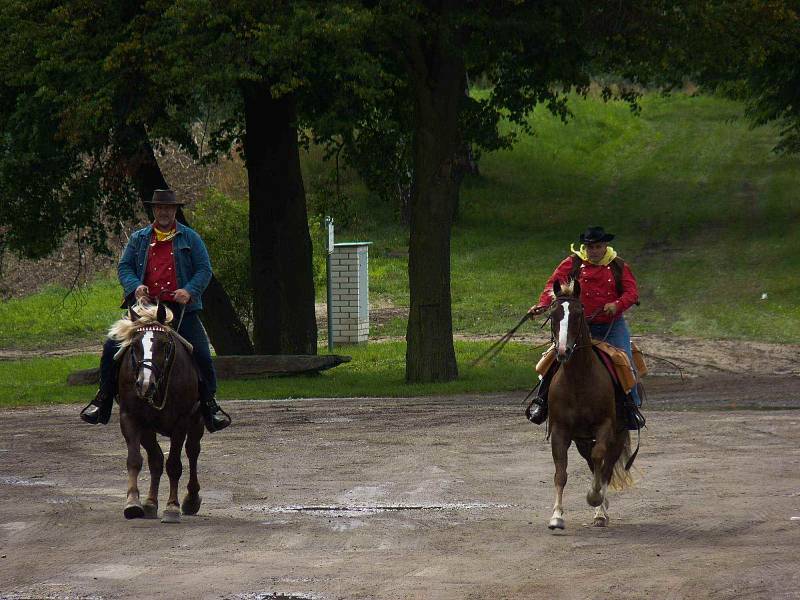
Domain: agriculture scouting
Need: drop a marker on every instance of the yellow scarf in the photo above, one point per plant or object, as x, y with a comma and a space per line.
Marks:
610, 255
165, 236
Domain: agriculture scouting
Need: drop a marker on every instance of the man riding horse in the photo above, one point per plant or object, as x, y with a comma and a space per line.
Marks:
165, 261
607, 290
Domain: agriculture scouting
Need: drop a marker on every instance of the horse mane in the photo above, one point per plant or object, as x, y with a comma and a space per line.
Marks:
567, 289
124, 330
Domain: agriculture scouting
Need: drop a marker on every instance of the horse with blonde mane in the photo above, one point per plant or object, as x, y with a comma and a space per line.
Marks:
583, 409
157, 393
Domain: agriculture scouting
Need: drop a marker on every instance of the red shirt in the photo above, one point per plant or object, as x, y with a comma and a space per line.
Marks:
598, 288
159, 275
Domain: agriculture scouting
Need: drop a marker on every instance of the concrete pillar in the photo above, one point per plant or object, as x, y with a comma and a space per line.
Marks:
350, 298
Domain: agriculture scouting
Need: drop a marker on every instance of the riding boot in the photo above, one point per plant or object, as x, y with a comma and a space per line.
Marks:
537, 409
214, 417
636, 419
99, 409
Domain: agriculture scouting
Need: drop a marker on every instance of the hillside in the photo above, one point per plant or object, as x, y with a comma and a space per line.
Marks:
705, 212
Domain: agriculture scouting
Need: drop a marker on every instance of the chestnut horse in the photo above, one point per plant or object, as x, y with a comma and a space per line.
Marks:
583, 409
158, 393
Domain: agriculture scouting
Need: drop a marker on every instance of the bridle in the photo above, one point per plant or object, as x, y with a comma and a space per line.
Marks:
589, 320
162, 377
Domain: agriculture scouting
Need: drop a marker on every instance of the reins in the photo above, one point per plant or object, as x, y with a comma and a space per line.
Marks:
495, 349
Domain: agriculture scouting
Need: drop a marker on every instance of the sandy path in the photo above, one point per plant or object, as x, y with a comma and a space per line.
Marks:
434, 498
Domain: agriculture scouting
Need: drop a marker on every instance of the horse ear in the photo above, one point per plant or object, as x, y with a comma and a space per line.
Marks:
576, 289
161, 313
556, 287
133, 314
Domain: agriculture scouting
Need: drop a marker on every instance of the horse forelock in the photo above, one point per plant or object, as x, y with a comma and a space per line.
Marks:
124, 330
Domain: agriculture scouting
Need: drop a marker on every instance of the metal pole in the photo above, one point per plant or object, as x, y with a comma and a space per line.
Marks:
329, 224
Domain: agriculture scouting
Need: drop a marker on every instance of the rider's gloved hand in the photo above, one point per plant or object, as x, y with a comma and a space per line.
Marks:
142, 292
537, 310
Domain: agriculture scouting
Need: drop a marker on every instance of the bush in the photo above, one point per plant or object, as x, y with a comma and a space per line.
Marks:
223, 222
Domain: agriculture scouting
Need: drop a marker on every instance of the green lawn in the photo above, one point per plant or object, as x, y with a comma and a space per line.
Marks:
377, 370
705, 212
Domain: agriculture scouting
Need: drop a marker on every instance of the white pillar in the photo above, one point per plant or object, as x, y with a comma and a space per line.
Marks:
350, 298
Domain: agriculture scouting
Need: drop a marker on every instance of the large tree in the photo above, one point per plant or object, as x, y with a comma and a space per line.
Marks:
532, 53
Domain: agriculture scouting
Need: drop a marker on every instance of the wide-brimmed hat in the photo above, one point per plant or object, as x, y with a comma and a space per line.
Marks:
166, 197
595, 234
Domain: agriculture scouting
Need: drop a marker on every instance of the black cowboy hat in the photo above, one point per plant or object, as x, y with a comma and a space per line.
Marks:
595, 234
166, 197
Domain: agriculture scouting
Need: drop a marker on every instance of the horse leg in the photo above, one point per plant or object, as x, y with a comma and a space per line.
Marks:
172, 512
585, 450
601, 514
560, 442
132, 435
191, 502
155, 461
603, 438
615, 449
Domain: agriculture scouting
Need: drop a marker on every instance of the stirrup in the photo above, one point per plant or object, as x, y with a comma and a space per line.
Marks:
98, 410
211, 415
537, 415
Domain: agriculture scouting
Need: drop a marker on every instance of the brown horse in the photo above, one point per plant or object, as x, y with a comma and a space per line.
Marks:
158, 393
583, 409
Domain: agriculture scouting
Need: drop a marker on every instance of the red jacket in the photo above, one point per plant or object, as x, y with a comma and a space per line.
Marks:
598, 288
159, 275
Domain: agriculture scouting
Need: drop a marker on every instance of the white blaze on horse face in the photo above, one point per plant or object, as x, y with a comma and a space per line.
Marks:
563, 328
146, 375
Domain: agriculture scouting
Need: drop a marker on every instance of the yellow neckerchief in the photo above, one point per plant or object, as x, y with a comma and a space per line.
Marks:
165, 236
610, 255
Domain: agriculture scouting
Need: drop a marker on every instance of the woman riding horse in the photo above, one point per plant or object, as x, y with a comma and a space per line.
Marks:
607, 290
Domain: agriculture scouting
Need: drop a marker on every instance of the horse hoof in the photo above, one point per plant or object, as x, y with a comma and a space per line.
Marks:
133, 510
594, 498
171, 515
150, 510
191, 504
556, 523
600, 522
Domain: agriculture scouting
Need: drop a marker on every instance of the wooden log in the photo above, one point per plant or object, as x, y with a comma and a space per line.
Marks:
245, 367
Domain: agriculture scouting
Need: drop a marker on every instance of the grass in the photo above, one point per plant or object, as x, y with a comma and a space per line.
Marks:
54, 318
375, 371
705, 212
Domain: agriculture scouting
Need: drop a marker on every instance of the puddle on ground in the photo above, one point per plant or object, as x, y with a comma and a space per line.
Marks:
48, 591
360, 510
14, 526
273, 596
12, 480
111, 571
322, 420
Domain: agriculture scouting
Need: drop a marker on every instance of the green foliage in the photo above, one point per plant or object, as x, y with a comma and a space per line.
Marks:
222, 222
704, 212
376, 370
57, 318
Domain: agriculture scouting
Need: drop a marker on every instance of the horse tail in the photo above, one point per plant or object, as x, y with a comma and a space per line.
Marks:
621, 477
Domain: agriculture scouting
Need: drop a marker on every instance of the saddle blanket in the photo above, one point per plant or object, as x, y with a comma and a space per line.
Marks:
614, 359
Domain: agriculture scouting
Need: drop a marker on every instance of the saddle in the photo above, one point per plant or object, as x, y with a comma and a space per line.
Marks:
614, 359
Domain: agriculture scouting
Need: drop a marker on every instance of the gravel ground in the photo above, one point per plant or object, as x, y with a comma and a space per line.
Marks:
415, 498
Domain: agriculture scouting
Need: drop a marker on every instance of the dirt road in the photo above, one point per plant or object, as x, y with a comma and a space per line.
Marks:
415, 498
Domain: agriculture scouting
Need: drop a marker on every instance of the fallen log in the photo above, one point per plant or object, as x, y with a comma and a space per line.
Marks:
245, 367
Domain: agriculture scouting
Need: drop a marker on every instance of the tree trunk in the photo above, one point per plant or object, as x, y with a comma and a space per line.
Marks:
225, 329
280, 245
437, 73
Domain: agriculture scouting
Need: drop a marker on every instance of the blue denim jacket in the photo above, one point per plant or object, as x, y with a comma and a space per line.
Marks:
191, 263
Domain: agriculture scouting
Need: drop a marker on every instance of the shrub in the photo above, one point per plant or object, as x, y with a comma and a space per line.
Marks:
223, 222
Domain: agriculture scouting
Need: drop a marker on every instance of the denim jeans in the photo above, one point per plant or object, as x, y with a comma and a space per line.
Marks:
192, 329
617, 334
